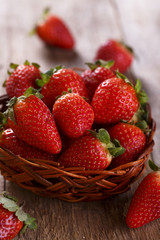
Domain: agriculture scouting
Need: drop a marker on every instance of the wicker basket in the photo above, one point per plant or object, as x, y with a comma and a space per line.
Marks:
49, 179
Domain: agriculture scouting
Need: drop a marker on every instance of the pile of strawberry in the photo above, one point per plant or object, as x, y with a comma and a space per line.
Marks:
94, 120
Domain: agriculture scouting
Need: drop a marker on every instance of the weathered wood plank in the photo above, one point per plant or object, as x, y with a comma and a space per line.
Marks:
140, 23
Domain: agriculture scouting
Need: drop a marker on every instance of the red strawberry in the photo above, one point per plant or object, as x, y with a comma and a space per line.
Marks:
131, 138
12, 218
73, 115
9, 140
145, 204
116, 99
22, 78
53, 31
117, 51
91, 151
33, 123
62, 79
97, 73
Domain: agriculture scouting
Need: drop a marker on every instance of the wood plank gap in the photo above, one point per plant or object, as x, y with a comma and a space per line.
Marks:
4, 184
118, 19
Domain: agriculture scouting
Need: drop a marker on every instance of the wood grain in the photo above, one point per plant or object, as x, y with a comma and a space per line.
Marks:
91, 22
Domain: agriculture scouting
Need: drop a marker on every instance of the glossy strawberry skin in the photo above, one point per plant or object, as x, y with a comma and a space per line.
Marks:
87, 152
113, 50
114, 100
10, 225
10, 141
21, 79
61, 81
131, 138
35, 125
145, 204
53, 31
73, 115
92, 78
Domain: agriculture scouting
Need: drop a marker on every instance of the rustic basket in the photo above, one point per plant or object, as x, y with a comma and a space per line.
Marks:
49, 179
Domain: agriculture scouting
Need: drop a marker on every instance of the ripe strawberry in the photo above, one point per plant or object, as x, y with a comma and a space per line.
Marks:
9, 140
73, 115
97, 73
13, 218
145, 204
22, 78
131, 138
116, 99
33, 123
117, 51
62, 79
53, 31
92, 151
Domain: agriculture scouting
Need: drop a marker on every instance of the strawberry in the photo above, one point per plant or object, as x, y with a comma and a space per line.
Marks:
131, 138
9, 140
117, 51
53, 31
73, 115
33, 123
92, 151
21, 78
53, 85
117, 99
12, 218
98, 72
145, 204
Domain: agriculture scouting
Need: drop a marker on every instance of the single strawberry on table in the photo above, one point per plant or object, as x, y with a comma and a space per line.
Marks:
54, 31
93, 151
117, 99
58, 80
32, 122
145, 204
11, 142
22, 77
98, 72
131, 138
117, 51
12, 218
73, 115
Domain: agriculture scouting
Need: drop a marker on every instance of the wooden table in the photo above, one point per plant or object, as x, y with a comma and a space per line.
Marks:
92, 22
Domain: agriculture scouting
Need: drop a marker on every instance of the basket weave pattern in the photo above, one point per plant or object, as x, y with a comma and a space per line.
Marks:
47, 178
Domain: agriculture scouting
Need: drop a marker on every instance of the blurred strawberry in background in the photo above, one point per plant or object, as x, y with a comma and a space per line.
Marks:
54, 31
117, 51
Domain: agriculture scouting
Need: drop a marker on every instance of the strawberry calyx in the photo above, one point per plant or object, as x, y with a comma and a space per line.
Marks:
3, 120
10, 111
45, 77
143, 126
13, 66
153, 166
64, 93
27, 63
140, 124
100, 63
129, 48
43, 17
142, 113
10, 203
141, 94
113, 147
122, 76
